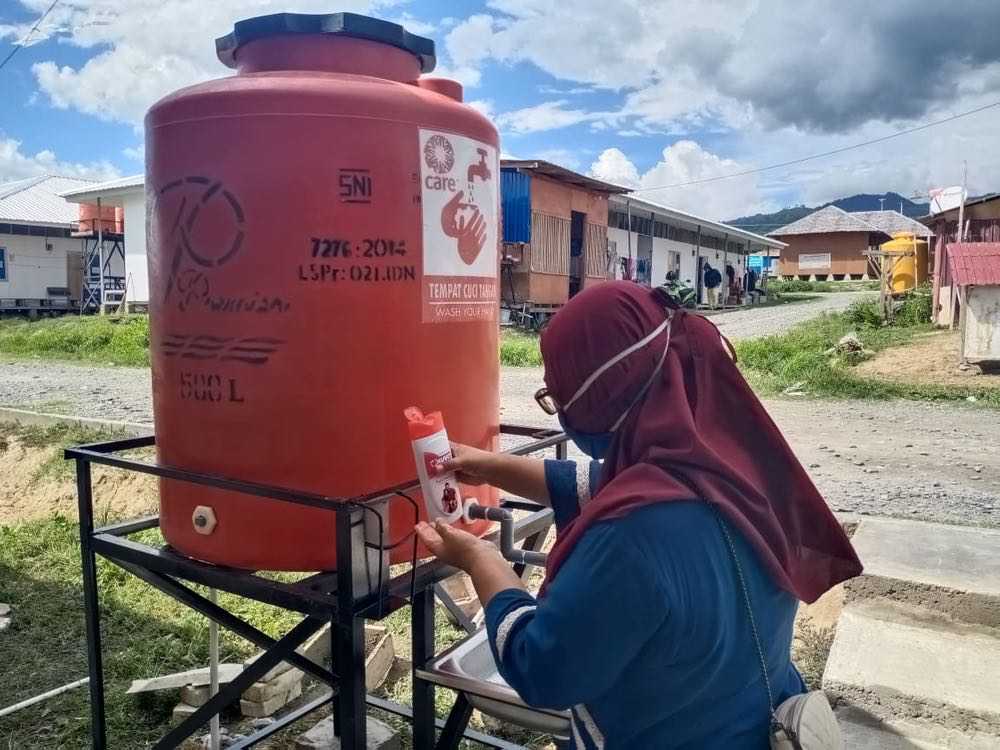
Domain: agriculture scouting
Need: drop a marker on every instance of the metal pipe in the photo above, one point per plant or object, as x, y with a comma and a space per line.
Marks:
505, 518
213, 668
44, 696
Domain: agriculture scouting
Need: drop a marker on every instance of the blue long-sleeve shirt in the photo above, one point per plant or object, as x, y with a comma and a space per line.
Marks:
644, 635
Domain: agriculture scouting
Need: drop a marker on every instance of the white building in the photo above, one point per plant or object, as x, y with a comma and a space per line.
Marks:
663, 239
41, 262
127, 193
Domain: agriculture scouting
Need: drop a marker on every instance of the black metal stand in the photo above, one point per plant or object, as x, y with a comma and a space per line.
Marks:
327, 597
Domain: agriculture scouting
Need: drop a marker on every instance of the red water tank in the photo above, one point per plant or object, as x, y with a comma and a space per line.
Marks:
92, 217
323, 254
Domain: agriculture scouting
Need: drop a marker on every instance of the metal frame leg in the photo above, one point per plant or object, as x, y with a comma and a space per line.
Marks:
98, 729
454, 728
422, 633
350, 706
455, 613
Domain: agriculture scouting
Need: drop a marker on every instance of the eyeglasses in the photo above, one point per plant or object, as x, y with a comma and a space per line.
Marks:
546, 401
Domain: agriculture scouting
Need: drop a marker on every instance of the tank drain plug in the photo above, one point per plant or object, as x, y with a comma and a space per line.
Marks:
203, 520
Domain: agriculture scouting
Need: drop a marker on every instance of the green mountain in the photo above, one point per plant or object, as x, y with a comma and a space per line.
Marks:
764, 223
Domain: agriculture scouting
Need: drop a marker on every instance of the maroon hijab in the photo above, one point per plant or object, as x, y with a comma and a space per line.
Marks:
698, 432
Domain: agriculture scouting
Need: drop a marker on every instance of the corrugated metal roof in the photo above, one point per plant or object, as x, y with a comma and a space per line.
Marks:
38, 200
95, 188
892, 222
555, 172
515, 197
975, 263
829, 219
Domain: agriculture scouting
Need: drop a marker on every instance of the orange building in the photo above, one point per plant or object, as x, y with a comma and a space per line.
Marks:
830, 244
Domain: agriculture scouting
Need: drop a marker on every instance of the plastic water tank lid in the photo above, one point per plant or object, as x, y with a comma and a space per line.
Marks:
345, 24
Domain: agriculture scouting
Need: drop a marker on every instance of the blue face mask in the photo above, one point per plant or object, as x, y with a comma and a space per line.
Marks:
594, 444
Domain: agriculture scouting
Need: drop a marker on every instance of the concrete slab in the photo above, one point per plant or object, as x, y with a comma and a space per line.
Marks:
893, 669
321, 737
955, 557
861, 731
227, 673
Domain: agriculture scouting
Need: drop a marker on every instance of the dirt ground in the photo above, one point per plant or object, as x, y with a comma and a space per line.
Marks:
932, 359
34, 483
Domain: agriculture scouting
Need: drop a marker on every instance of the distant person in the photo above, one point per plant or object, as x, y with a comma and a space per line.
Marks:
731, 291
713, 280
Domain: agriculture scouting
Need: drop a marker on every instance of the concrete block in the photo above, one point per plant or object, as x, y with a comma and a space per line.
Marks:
379, 661
260, 709
195, 695
895, 670
321, 737
950, 570
181, 712
280, 685
316, 649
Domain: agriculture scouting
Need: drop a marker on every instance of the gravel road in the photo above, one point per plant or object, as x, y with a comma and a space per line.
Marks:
930, 461
748, 323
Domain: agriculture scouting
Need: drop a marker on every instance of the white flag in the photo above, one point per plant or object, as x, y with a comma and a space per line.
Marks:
945, 199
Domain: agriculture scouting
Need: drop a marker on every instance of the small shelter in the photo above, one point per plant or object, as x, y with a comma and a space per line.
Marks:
555, 235
975, 272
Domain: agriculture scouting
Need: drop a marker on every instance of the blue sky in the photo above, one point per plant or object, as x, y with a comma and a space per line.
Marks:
646, 93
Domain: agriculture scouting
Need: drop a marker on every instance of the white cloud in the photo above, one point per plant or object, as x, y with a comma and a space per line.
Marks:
613, 166
136, 153
17, 165
564, 157
146, 49
483, 106
545, 116
681, 162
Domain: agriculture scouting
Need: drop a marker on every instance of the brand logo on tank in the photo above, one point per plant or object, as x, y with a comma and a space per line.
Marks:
459, 198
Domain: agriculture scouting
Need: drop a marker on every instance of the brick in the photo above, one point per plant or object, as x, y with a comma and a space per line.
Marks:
258, 710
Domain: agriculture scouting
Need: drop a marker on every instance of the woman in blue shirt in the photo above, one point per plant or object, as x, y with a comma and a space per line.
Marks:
698, 516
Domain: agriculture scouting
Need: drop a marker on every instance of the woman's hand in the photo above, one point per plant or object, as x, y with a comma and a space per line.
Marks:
454, 546
471, 465
489, 572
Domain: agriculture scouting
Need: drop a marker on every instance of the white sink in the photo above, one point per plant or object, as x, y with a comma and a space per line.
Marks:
468, 667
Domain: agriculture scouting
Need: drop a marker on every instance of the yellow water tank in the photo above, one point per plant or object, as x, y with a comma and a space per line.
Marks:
905, 262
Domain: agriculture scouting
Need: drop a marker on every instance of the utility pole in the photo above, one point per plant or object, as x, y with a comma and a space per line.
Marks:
960, 234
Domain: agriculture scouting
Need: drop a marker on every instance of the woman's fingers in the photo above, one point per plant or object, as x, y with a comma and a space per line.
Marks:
430, 538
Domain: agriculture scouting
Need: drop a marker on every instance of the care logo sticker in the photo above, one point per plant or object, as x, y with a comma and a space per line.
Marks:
459, 180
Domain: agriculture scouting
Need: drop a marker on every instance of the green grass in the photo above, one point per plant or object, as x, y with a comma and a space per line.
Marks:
795, 285
57, 436
798, 359
145, 634
119, 340
519, 349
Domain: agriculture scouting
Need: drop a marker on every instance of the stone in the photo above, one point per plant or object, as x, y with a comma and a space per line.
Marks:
261, 691
888, 666
321, 737
4, 610
4, 623
258, 710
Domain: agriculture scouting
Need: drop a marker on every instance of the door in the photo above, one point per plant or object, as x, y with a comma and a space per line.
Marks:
577, 263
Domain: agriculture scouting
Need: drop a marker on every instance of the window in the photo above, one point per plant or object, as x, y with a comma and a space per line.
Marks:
3, 264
